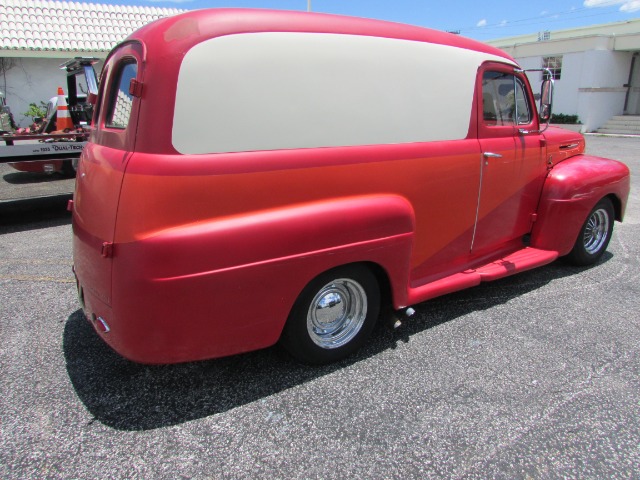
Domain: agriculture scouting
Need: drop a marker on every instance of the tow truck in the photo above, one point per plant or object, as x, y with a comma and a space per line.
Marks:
42, 148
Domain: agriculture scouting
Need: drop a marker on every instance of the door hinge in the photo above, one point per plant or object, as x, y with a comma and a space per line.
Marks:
135, 88
107, 249
550, 162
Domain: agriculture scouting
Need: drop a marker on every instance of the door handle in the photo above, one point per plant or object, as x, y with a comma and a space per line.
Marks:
491, 155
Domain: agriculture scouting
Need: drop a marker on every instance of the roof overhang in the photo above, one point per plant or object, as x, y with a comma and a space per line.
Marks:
66, 54
622, 43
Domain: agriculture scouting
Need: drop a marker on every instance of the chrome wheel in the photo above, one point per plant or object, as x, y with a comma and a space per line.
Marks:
336, 313
595, 234
596, 231
333, 315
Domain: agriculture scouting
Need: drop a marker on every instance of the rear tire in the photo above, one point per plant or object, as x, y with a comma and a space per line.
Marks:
594, 235
333, 316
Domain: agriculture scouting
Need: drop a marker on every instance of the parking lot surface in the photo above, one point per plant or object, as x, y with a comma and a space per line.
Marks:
533, 376
15, 185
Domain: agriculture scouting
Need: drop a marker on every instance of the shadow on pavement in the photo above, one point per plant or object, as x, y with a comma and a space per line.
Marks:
32, 213
129, 396
27, 178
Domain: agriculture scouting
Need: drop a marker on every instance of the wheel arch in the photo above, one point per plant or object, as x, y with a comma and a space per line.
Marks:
384, 283
617, 206
379, 272
571, 190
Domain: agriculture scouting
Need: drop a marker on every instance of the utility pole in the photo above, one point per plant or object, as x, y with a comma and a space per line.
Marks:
308, 5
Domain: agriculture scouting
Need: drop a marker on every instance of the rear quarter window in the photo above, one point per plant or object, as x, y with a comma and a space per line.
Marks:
120, 100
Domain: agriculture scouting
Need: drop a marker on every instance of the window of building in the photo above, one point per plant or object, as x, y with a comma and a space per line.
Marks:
554, 64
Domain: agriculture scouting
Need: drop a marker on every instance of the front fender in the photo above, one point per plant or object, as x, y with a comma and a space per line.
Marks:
571, 190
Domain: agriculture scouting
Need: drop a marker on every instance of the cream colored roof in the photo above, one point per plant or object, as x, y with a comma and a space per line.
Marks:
42, 25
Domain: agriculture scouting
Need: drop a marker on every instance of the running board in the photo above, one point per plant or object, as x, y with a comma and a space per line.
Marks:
517, 262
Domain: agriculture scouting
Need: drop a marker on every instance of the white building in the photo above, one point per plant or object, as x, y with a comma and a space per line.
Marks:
597, 69
36, 36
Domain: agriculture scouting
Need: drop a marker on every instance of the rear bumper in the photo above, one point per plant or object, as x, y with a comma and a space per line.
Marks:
96, 312
163, 321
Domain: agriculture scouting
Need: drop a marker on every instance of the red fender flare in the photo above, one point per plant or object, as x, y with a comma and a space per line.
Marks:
571, 190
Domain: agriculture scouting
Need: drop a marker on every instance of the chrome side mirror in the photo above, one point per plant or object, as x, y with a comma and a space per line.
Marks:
546, 101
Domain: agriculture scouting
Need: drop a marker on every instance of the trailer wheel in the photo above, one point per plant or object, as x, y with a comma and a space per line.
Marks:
68, 168
594, 235
333, 316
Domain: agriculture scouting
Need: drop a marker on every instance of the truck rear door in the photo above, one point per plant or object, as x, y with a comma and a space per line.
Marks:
101, 169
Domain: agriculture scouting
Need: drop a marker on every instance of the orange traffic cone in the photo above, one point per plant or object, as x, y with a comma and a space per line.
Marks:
64, 119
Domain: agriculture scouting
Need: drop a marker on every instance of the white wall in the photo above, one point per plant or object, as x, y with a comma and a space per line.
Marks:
31, 80
591, 85
566, 92
605, 68
602, 92
565, 98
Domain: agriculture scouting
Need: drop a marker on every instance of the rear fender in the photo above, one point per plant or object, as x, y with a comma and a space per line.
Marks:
273, 235
202, 272
571, 190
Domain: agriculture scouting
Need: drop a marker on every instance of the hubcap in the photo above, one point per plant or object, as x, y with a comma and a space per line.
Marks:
337, 313
596, 231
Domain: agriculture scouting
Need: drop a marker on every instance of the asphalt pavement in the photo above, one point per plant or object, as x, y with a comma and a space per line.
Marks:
533, 376
16, 186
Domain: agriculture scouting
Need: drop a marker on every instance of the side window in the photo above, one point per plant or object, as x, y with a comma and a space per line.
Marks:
120, 100
504, 100
101, 89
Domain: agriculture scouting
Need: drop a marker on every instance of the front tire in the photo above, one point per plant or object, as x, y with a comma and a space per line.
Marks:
594, 235
333, 316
